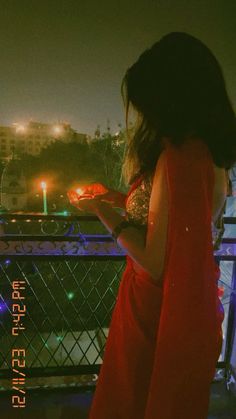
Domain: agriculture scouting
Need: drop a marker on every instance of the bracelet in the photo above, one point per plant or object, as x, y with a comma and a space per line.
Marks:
117, 230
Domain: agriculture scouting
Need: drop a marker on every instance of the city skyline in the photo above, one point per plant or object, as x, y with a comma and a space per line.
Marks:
65, 62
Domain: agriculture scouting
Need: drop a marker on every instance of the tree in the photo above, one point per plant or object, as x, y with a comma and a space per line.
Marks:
65, 165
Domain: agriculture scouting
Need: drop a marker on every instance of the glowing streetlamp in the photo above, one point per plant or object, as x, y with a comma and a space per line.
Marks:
44, 189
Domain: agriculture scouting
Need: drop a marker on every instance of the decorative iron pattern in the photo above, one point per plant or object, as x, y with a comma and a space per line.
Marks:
79, 246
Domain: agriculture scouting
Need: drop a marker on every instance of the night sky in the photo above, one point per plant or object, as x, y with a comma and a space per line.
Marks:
65, 59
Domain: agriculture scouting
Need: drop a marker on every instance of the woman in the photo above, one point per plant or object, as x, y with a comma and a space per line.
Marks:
165, 334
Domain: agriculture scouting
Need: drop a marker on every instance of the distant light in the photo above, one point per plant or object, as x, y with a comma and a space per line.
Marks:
61, 196
65, 212
57, 130
43, 185
20, 129
28, 221
7, 262
13, 220
70, 295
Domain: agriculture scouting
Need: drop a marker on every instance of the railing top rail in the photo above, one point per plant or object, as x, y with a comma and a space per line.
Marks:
41, 216
74, 237
58, 238
68, 216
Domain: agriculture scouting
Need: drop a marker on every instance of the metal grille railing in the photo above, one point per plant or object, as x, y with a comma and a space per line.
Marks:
69, 305
71, 282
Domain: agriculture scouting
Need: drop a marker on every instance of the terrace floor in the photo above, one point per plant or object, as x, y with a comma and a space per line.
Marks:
74, 403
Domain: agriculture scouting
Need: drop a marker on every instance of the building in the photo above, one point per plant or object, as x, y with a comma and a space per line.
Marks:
13, 186
31, 138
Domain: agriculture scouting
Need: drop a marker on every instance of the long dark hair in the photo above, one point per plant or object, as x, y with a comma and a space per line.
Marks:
178, 88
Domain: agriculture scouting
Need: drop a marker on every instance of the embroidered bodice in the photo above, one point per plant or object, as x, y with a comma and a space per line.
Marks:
137, 203
137, 207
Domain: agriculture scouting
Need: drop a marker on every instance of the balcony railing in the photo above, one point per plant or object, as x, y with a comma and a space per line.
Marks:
70, 269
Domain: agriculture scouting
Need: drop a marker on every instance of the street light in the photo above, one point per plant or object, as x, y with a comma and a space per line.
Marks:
20, 128
44, 189
57, 130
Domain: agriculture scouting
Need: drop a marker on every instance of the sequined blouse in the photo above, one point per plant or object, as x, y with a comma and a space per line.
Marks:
137, 208
137, 203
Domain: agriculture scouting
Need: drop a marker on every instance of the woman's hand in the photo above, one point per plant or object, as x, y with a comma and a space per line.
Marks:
95, 189
85, 204
98, 190
113, 197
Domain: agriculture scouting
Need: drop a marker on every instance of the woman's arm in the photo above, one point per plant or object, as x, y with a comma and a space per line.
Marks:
149, 251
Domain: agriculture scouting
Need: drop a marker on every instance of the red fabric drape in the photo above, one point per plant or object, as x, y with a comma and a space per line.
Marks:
188, 340
163, 343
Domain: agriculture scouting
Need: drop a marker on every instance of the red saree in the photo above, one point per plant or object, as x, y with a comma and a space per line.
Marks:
163, 343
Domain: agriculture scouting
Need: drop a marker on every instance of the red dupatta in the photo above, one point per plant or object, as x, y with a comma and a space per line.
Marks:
188, 340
